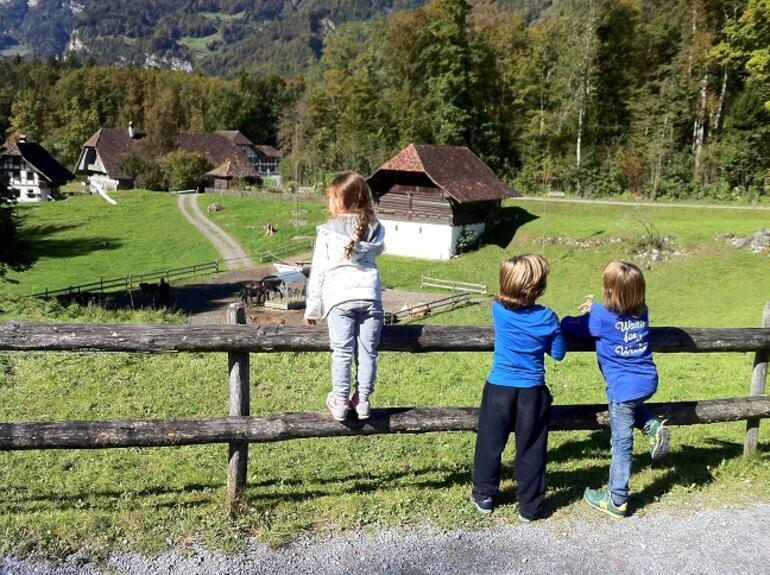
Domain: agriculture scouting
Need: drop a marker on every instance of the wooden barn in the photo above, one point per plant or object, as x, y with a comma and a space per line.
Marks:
427, 196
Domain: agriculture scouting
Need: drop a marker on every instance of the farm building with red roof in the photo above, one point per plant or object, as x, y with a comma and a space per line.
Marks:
226, 150
428, 196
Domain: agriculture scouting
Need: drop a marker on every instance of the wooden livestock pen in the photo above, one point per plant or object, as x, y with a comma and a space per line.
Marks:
239, 428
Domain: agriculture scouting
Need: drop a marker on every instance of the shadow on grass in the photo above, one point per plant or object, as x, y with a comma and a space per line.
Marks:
37, 241
67, 501
688, 466
512, 218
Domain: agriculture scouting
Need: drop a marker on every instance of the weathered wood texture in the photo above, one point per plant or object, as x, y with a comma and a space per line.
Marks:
271, 428
238, 366
758, 382
164, 338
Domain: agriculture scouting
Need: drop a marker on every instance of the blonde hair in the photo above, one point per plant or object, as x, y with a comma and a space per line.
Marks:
624, 288
523, 279
350, 194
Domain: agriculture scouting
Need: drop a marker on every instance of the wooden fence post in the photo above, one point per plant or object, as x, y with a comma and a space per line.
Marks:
238, 365
758, 380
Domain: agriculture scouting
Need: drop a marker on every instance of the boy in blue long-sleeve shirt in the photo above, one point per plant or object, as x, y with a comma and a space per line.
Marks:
621, 329
515, 397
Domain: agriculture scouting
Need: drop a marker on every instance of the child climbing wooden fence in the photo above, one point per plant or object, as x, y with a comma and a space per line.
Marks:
239, 429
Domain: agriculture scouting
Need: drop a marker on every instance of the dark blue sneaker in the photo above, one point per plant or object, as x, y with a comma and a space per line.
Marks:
484, 505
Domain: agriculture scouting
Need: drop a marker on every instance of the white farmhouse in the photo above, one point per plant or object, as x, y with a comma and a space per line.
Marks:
30, 171
427, 196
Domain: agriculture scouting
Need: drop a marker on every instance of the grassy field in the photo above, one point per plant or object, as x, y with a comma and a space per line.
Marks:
82, 238
244, 219
199, 46
55, 501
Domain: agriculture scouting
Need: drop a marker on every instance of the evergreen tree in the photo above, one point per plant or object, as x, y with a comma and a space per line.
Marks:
446, 59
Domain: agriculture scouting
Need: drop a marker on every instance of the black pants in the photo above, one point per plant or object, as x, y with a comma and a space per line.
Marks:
526, 411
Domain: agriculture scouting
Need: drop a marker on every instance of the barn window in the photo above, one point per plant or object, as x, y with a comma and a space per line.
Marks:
396, 227
419, 230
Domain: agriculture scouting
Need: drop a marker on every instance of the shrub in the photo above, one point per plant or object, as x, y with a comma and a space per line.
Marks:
184, 170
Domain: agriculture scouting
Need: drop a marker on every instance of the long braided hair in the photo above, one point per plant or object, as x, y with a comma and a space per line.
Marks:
350, 194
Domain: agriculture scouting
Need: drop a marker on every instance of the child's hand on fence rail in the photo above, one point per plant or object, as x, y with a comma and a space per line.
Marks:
585, 307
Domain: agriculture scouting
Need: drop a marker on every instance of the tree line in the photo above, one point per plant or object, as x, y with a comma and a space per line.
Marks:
597, 97
651, 97
62, 103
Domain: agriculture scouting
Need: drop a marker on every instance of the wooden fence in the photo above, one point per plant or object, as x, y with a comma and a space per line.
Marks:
309, 198
132, 281
453, 285
420, 310
239, 428
278, 253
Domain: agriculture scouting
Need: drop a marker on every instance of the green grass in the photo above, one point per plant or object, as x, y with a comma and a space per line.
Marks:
244, 219
222, 16
83, 238
135, 498
199, 46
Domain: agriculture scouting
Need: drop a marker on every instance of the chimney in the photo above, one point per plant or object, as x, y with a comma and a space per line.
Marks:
131, 130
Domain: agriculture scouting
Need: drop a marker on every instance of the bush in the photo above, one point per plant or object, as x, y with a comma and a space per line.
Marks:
466, 241
152, 178
184, 170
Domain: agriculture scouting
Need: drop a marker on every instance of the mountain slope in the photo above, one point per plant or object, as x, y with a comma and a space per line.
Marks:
216, 36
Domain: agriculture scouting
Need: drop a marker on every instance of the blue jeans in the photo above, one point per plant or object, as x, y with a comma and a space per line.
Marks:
354, 334
624, 417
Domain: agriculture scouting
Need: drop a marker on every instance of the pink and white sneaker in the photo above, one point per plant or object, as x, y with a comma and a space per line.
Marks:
338, 409
362, 407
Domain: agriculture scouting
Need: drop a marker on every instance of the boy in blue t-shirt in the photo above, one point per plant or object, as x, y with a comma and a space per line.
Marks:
515, 397
621, 329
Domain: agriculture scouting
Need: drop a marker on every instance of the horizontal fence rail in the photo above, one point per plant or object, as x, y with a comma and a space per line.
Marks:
453, 285
278, 196
165, 338
239, 429
420, 310
131, 281
288, 426
278, 253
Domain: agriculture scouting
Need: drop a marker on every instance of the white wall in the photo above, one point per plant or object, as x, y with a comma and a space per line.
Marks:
98, 182
422, 240
28, 186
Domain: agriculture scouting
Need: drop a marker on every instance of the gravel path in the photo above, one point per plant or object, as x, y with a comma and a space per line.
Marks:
633, 204
718, 542
229, 250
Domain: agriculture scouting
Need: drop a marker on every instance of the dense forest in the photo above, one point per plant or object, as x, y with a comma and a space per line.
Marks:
652, 97
597, 97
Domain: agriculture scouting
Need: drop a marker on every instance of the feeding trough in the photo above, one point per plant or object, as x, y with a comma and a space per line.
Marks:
286, 289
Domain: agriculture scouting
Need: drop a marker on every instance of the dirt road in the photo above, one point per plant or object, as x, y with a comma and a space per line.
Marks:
230, 251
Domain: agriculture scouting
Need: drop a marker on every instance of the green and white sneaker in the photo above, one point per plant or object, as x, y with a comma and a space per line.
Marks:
659, 437
602, 500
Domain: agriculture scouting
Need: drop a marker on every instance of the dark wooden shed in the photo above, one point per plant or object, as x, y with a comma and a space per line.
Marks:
441, 184
427, 195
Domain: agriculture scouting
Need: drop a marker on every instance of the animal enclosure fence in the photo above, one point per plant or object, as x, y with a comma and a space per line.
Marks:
421, 310
453, 285
239, 429
132, 280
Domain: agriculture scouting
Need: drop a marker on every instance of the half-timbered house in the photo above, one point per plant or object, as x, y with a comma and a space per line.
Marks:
30, 171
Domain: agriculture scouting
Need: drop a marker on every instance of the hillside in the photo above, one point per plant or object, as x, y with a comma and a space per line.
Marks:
55, 502
215, 36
